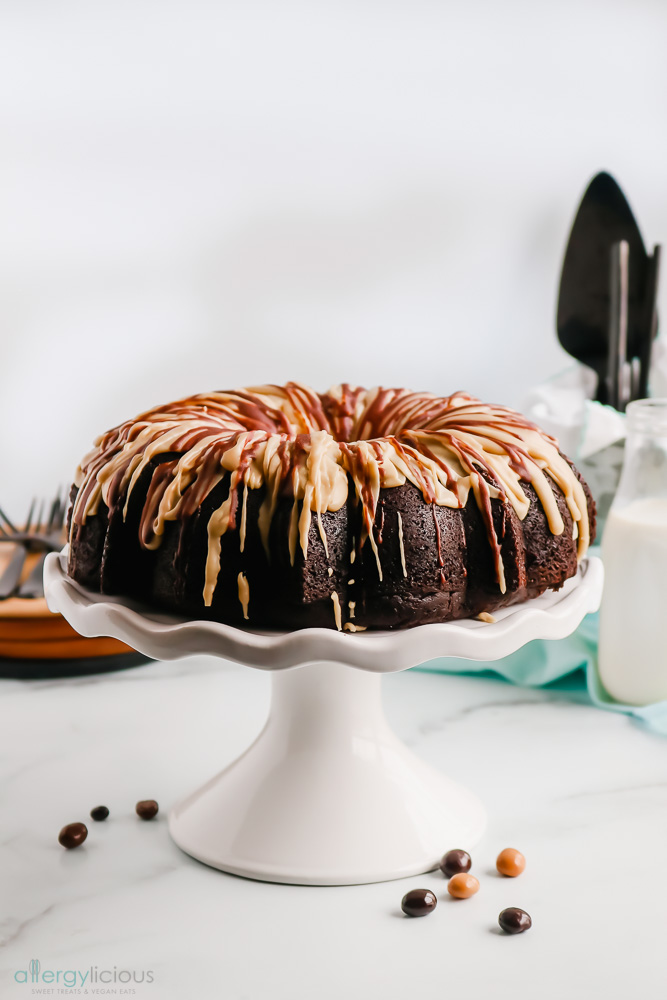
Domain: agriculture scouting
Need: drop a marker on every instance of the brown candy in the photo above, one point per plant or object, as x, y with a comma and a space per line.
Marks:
73, 835
462, 886
99, 813
147, 808
455, 862
514, 921
419, 902
510, 862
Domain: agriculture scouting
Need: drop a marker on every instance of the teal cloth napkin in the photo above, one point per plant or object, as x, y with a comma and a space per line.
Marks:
552, 661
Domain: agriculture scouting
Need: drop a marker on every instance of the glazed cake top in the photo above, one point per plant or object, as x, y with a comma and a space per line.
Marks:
311, 446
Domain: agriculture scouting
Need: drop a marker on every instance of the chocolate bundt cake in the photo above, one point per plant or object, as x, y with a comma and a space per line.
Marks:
352, 509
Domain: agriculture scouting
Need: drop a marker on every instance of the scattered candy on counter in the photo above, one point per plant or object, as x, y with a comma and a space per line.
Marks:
456, 865
419, 902
147, 808
514, 921
73, 835
510, 862
462, 886
455, 862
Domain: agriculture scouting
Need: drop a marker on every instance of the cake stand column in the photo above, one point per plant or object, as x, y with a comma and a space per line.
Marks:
327, 794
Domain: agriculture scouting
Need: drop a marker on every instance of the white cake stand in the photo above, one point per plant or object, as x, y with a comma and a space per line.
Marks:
327, 794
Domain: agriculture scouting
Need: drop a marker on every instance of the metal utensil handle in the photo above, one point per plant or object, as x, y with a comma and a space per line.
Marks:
650, 320
9, 580
618, 325
33, 587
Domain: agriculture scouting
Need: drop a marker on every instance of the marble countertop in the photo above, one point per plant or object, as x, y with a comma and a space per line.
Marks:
582, 793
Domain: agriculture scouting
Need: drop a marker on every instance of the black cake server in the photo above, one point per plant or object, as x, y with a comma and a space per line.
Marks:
586, 300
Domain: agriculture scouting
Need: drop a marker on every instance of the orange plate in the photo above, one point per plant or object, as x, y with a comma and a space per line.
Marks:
28, 630
16, 607
61, 649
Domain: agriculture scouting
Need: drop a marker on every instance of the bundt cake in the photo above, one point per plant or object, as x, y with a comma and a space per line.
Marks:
281, 507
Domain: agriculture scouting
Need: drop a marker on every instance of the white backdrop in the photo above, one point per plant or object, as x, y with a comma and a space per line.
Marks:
199, 195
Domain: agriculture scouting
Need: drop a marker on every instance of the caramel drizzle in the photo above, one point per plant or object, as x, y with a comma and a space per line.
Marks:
305, 445
244, 593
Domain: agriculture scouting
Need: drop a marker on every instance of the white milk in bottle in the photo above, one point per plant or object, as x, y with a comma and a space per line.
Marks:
632, 658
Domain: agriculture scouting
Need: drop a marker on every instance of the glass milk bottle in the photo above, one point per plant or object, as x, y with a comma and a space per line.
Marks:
632, 657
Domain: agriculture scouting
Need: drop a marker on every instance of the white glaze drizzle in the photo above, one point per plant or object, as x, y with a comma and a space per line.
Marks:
400, 542
337, 611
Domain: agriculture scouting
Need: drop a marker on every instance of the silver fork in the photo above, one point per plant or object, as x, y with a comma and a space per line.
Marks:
12, 574
34, 537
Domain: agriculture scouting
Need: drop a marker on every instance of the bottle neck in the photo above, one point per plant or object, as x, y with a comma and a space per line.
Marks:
644, 474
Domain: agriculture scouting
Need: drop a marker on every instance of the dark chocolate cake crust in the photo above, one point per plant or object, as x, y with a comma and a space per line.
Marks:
395, 558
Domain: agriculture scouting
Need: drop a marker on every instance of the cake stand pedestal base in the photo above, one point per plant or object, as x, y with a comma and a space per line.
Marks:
327, 794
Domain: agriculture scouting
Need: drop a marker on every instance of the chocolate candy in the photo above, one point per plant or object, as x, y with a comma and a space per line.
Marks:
514, 921
418, 902
147, 808
99, 813
455, 862
510, 862
462, 886
73, 835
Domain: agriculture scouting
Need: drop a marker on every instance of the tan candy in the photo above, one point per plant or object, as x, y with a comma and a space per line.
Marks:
510, 862
462, 886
